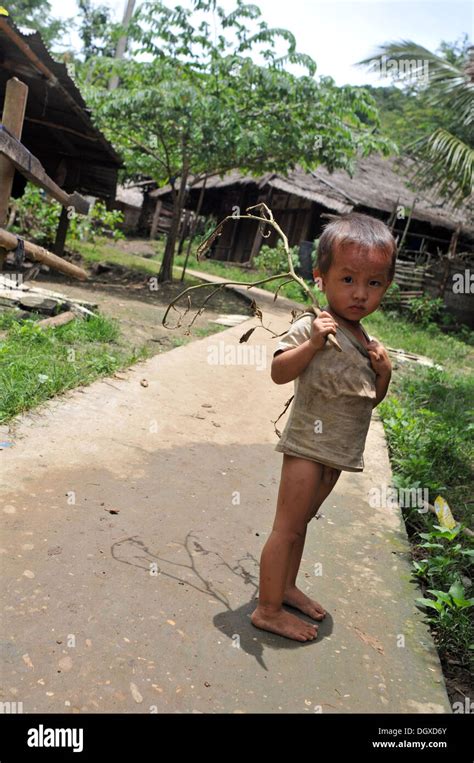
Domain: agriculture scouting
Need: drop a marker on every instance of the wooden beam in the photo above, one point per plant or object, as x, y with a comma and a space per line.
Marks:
454, 242
62, 128
261, 229
37, 253
400, 245
16, 94
156, 218
33, 170
57, 320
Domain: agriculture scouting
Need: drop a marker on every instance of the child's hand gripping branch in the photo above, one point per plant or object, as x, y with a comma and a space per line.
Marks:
322, 326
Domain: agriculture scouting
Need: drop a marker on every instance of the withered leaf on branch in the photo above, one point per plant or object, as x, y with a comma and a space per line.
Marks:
245, 337
285, 408
255, 309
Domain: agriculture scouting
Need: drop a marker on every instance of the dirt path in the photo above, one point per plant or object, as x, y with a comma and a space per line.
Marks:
125, 296
134, 518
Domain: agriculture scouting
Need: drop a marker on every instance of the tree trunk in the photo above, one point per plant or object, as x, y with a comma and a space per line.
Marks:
193, 230
122, 43
166, 270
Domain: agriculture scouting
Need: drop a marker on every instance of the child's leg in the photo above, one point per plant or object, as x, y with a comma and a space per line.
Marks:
293, 595
300, 480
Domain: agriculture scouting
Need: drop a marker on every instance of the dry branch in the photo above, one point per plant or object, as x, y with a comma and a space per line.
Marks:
264, 219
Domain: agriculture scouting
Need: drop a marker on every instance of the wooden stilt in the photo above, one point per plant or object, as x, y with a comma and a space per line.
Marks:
14, 106
61, 232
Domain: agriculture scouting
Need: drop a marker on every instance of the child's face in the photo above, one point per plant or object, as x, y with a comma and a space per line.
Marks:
356, 281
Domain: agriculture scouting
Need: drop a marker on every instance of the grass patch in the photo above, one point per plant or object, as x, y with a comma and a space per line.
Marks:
453, 352
36, 364
102, 250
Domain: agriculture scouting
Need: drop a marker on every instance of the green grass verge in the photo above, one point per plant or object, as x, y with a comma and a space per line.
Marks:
36, 364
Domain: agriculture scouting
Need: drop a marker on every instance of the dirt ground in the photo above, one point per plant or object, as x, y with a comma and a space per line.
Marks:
125, 295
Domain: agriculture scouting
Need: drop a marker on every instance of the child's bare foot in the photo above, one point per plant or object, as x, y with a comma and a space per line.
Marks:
297, 599
284, 624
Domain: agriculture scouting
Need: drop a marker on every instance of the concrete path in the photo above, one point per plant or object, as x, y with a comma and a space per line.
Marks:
133, 521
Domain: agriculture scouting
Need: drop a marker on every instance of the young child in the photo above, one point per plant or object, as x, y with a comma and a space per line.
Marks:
335, 393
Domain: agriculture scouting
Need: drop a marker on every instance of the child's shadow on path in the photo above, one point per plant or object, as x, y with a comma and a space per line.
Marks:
235, 624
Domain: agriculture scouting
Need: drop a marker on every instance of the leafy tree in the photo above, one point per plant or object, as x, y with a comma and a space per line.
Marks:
36, 14
436, 102
96, 29
192, 103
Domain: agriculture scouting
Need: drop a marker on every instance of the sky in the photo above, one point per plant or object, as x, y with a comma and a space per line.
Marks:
337, 33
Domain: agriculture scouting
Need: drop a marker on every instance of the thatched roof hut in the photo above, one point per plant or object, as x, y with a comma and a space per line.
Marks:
57, 128
299, 200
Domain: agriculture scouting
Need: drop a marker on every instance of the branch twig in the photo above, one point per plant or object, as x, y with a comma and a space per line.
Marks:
265, 219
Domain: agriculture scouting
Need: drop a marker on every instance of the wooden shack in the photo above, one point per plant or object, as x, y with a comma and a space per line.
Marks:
57, 126
300, 201
435, 240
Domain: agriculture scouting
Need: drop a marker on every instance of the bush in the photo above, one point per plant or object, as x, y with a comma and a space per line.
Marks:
37, 217
274, 260
425, 310
429, 431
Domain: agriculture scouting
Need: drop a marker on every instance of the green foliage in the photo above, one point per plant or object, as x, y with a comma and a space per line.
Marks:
392, 297
192, 101
36, 14
451, 619
425, 309
37, 217
432, 119
96, 29
429, 432
99, 222
445, 560
274, 260
422, 310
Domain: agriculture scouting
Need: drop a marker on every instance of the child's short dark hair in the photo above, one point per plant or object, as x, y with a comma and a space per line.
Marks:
355, 228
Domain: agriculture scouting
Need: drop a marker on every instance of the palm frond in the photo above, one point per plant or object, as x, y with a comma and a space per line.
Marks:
445, 83
445, 164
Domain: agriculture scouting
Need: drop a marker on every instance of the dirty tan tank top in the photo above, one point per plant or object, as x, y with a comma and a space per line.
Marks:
333, 401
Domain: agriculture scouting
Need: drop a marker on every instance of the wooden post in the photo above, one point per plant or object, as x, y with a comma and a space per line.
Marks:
61, 232
400, 245
14, 106
307, 223
184, 230
454, 242
257, 242
156, 218
393, 215
194, 227
122, 43
450, 256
